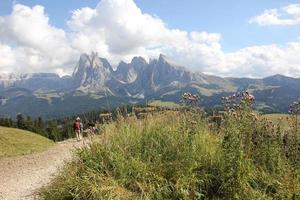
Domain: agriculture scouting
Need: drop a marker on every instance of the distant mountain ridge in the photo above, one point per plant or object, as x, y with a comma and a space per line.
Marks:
94, 82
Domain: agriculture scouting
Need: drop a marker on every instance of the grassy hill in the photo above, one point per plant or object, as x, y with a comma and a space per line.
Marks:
14, 142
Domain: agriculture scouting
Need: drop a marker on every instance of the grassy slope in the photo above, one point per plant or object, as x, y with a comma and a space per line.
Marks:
15, 142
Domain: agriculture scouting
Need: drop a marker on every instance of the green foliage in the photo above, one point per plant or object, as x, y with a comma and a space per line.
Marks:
20, 122
175, 155
152, 159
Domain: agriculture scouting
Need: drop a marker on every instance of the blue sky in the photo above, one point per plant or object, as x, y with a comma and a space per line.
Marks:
229, 19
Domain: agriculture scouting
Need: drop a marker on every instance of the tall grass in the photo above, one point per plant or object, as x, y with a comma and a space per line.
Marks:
175, 155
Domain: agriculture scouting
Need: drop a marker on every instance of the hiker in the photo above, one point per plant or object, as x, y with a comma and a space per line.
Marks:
92, 127
81, 126
77, 128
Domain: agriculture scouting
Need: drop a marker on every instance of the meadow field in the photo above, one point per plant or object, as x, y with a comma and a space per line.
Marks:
281, 119
178, 155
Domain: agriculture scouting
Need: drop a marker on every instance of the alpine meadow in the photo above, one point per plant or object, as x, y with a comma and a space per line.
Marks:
142, 100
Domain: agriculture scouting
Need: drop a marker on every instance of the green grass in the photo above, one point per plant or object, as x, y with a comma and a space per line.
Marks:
176, 155
164, 104
278, 119
276, 116
156, 158
14, 142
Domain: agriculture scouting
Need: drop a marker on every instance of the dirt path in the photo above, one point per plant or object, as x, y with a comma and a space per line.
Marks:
21, 177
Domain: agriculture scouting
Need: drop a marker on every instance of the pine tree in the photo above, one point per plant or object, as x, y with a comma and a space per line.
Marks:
11, 123
40, 123
20, 121
53, 132
29, 124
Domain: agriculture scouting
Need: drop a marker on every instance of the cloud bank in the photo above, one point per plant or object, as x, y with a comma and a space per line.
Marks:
119, 30
288, 15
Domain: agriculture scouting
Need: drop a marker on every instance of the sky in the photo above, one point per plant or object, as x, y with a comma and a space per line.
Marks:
225, 38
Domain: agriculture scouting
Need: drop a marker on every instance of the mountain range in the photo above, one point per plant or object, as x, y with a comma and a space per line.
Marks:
95, 84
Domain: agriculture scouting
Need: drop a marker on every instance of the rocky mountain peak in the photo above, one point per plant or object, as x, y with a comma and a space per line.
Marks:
91, 72
92, 61
128, 72
162, 58
160, 78
167, 72
138, 60
166, 61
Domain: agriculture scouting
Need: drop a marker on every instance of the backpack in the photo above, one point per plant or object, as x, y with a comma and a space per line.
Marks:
81, 126
77, 125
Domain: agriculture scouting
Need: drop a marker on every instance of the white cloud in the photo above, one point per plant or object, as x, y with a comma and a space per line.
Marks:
32, 41
7, 57
119, 30
289, 15
258, 61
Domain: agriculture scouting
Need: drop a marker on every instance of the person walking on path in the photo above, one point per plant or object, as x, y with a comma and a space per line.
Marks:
92, 127
77, 128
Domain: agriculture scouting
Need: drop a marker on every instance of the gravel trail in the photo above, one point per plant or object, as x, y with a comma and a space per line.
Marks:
21, 177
